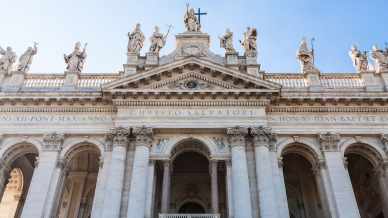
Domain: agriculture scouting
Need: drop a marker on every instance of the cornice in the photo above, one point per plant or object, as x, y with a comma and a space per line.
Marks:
197, 103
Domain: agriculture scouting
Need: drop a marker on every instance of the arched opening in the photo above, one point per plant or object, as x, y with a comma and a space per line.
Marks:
20, 165
78, 180
366, 181
192, 208
303, 196
190, 179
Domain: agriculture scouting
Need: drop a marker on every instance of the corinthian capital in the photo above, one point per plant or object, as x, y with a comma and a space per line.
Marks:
53, 141
144, 136
329, 141
236, 135
118, 136
263, 136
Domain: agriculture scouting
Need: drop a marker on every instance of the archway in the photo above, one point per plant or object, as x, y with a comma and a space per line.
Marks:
17, 173
301, 181
192, 208
366, 180
78, 180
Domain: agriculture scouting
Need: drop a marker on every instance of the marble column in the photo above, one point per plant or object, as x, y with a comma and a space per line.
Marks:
166, 187
382, 176
339, 177
138, 188
283, 203
240, 180
150, 190
42, 180
118, 137
229, 194
102, 177
214, 185
4, 176
323, 195
264, 141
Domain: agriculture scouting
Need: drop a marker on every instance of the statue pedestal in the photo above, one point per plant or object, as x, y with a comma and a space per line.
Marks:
132, 63
192, 44
313, 80
251, 62
71, 80
372, 81
152, 59
231, 59
14, 81
384, 77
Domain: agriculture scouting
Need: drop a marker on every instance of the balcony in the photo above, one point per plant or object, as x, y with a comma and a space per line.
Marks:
189, 216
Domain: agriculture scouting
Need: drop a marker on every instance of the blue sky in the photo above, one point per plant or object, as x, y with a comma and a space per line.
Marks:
56, 25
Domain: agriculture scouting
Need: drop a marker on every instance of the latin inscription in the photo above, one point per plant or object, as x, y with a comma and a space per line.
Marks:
47, 118
329, 119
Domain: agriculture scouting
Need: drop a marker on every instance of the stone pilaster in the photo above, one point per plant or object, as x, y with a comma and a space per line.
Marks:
229, 188
242, 207
119, 139
382, 176
264, 142
150, 190
214, 185
138, 188
44, 179
166, 186
339, 178
4, 176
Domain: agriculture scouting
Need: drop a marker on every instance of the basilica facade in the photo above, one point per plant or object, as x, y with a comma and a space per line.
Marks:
194, 134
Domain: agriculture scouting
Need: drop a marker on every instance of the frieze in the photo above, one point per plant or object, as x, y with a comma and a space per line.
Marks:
48, 118
328, 119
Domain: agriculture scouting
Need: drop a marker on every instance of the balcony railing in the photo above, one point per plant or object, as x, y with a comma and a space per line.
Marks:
189, 216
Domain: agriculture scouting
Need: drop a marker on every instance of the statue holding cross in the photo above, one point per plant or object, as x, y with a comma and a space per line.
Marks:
192, 22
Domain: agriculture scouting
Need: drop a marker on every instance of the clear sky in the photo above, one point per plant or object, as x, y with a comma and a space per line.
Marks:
57, 24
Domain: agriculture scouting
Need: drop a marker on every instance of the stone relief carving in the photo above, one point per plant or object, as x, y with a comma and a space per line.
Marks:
135, 40
76, 60
190, 84
193, 50
222, 145
53, 141
158, 40
384, 141
25, 59
329, 141
161, 145
226, 42
191, 21
263, 136
249, 42
7, 59
359, 59
381, 59
306, 58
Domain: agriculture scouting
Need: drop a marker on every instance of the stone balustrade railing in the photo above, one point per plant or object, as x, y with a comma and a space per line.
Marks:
189, 216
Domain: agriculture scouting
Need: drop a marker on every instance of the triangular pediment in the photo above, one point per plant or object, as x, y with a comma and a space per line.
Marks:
191, 74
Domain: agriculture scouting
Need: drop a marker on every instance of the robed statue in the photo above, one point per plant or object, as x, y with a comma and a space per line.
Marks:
226, 42
76, 60
158, 40
305, 56
249, 42
381, 59
7, 59
25, 59
135, 40
359, 59
191, 21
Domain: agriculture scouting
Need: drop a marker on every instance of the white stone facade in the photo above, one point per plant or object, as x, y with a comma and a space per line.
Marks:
108, 145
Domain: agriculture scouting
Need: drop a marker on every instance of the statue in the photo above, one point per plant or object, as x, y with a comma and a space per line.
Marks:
191, 21
226, 42
360, 59
7, 59
136, 40
158, 40
25, 59
249, 42
306, 58
76, 60
381, 59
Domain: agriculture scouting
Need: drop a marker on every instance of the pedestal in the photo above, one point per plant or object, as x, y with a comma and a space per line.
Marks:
152, 59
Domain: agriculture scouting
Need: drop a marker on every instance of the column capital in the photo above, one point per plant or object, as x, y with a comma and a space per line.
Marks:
263, 136
53, 141
236, 135
144, 136
118, 136
329, 141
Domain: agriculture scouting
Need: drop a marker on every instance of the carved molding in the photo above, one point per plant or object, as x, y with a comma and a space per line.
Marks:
144, 136
236, 135
192, 102
263, 136
53, 141
118, 136
329, 141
